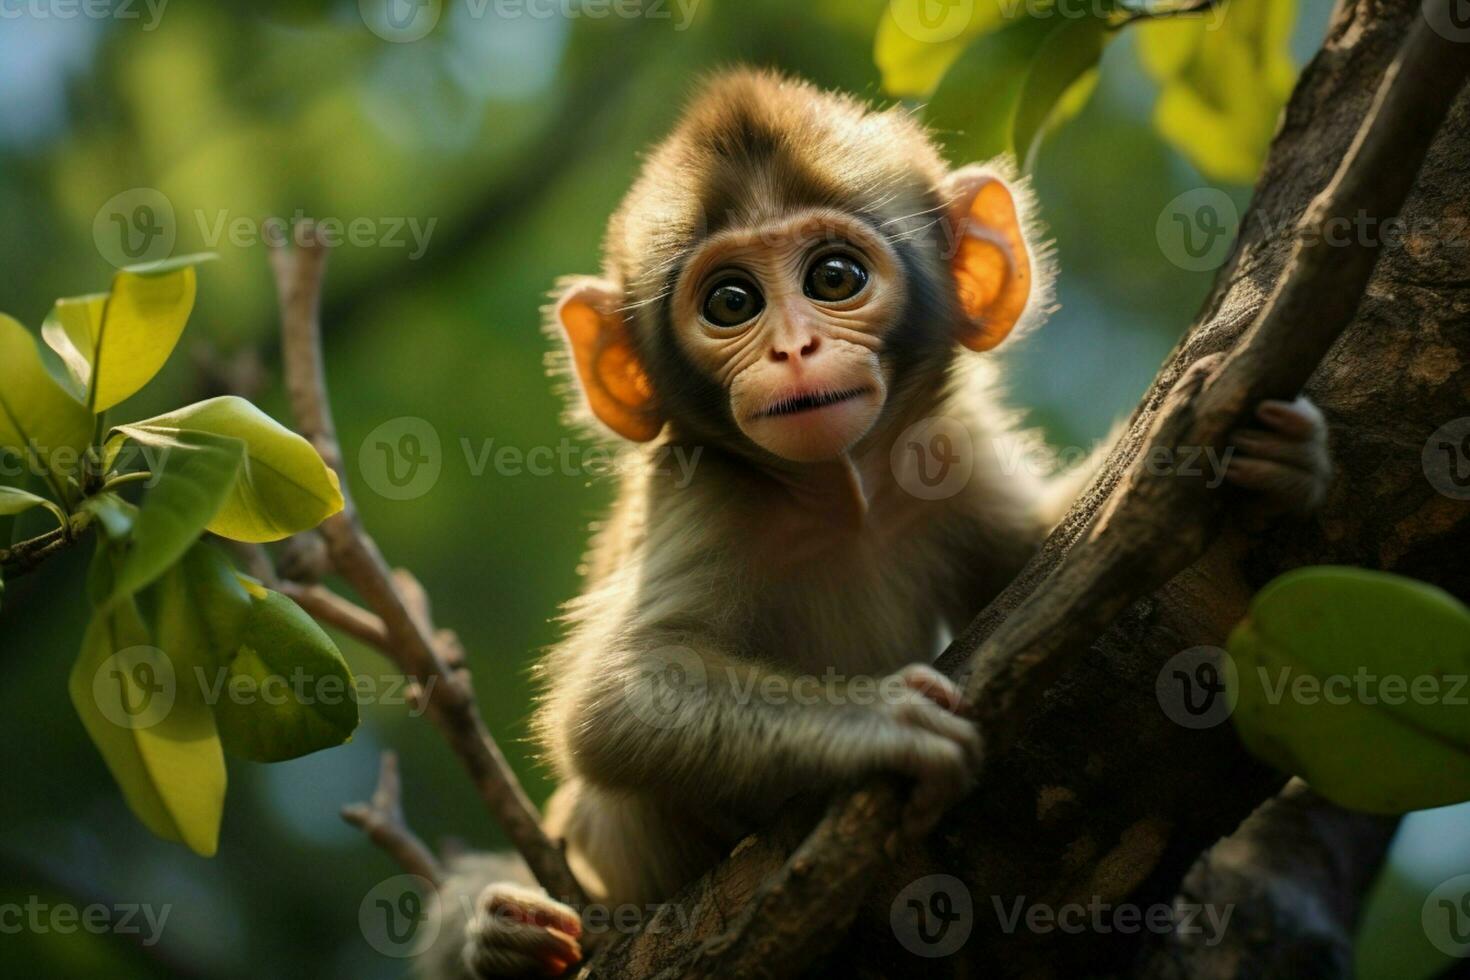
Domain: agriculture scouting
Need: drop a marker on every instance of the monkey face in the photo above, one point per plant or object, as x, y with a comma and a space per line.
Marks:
790, 317
789, 272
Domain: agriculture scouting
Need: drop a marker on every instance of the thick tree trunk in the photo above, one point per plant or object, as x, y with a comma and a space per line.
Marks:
1105, 802
1120, 799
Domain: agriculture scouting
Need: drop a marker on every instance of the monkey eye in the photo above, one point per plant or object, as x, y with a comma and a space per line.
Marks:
733, 302
835, 277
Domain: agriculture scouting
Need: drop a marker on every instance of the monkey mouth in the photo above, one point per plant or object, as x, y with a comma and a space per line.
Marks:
810, 401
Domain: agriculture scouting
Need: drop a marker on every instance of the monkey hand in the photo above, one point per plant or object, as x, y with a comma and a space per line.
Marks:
1285, 460
920, 736
516, 931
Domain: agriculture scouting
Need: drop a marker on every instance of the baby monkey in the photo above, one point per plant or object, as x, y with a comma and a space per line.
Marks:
798, 289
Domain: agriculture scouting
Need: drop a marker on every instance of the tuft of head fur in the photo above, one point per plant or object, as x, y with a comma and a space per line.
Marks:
752, 145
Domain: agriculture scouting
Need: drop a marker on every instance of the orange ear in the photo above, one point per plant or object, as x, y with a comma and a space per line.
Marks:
991, 267
617, 387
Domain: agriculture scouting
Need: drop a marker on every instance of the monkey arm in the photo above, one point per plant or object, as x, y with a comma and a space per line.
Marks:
657, 714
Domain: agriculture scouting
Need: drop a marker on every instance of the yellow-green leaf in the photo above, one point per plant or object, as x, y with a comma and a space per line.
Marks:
114, 343
14, 501
152, 727
288, 691
38, 420
283, 488
1358, 681
1224, 76
918, 40
199, 471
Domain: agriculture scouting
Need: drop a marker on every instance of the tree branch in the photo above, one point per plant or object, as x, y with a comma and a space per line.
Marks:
410, 641
26, 556
383, 821
1292, 880
331, 609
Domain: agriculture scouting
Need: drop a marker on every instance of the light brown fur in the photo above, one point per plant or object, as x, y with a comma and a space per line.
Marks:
764, 575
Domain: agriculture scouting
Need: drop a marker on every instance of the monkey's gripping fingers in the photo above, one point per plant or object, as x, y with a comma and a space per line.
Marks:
517, 931
933, 685
1285, 461
924, 739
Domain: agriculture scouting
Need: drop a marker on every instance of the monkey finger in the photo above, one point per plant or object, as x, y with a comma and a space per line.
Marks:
952, 728
933, 685
541, 944
1300, 419
1258, 444
527, 906
1284, 487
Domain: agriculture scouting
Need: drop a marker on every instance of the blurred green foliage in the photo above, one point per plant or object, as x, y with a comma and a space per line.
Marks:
509, 139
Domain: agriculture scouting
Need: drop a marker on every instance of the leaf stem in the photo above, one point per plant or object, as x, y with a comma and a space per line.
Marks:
125, 479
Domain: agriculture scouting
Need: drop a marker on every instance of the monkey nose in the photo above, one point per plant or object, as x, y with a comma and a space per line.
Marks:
800, 346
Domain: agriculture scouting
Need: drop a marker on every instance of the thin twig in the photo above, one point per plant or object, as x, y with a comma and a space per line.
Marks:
382, 820
26, 556
412, 643
331, 609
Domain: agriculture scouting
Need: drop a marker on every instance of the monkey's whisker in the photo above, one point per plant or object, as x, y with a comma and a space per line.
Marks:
807, 401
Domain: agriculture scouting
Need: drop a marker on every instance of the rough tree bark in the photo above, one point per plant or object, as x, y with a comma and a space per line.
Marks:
1103, 800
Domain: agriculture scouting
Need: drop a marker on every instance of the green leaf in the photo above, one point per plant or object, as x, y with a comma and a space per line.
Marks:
16, 501
197, 473
154, 730
114, 343
198, 609
284, 487
38, 419
1357, 682
1001, 65
114, 514
1224, 77
918, 40
288, 690
1061, 80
